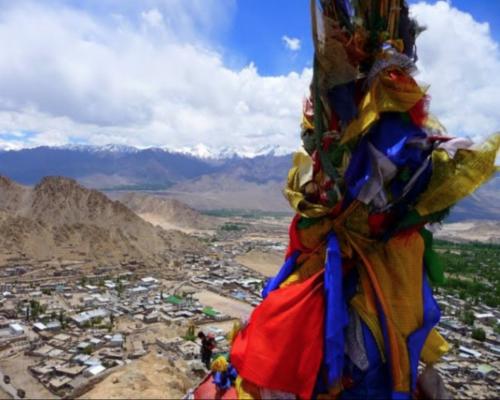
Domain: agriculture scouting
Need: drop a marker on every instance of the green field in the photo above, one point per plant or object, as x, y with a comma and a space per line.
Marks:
251, 214
472, 271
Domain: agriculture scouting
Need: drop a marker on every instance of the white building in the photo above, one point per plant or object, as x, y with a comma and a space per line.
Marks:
87, 316
39, 327
246, 283
116, 340
148, 281
94, 370
16, 329
138, 290
485, 318
469, 352
54, 325
151, 317
96, 343
169, 344
189, 350
110, 284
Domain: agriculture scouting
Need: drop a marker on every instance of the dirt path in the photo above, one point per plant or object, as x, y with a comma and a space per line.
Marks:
17, 368
231, 307
266, 263
8, 388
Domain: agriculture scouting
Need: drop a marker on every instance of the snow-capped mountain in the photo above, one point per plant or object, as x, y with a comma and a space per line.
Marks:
8, 147
200, 150
107, 148
201, 176
114, 166
205, 152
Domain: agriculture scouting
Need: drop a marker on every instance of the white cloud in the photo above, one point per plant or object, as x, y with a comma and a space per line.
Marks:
461, 62
10, 144
153, 17
291, 43
70, 77
145, 77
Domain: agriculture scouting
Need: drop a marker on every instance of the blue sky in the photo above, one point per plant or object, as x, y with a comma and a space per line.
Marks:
258, 27
210, 73
482, 11
257, 31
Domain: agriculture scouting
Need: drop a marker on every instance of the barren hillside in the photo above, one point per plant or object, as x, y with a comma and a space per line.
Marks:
60, 219
167, 213
470, 231
226, 191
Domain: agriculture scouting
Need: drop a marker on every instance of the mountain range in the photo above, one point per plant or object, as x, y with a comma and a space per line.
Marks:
202, 178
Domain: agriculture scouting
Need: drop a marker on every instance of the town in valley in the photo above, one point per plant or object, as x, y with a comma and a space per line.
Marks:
130, 329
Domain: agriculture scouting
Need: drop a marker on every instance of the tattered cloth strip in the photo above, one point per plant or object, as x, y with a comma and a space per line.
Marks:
457, 177
275, 351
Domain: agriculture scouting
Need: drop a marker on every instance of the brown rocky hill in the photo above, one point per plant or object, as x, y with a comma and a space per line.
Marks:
60, 219
166, 212
12, 195
470, 231
229, 191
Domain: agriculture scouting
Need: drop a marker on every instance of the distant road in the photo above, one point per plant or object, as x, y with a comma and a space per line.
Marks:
8, 388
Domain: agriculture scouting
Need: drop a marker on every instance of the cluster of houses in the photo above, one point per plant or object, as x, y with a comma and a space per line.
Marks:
69, 362
471, 368
225, 276
71, 329
73, 338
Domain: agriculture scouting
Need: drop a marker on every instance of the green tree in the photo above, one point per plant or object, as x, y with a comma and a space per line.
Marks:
62, 319
35, 309
467, 317
190, 333
478, 334
119, 288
